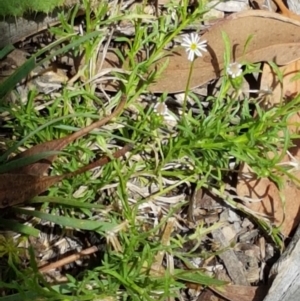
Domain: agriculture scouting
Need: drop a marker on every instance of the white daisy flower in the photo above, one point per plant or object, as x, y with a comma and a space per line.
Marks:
161, 109
193, 46
234, 70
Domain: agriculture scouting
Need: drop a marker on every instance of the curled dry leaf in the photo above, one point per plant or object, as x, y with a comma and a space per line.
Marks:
264, 189
261, 36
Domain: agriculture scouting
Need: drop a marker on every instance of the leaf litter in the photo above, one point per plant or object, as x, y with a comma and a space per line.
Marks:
39, 168
263, 45
27, 186
274, 43
29, 181
264, 189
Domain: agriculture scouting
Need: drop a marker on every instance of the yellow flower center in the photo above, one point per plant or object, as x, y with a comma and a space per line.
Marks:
193, 46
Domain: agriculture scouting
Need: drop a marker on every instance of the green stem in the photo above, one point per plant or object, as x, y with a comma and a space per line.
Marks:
187, 87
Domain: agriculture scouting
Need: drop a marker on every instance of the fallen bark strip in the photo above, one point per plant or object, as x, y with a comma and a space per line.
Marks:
286, 285
14, 29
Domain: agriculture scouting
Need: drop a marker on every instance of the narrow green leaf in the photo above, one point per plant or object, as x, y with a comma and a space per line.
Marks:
19, 228
227, 52
6, 50
69, 221
65, 201
198, 277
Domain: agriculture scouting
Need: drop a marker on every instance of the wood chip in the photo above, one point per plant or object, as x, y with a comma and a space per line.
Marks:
229, 6
231, 262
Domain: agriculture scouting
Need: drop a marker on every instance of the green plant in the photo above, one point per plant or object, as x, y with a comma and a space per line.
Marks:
170, 152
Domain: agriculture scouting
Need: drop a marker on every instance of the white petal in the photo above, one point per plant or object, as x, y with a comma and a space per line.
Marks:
186, 40
191, 56
161, 108
186, 44
195, 38
203, 49
197, 52
234, 69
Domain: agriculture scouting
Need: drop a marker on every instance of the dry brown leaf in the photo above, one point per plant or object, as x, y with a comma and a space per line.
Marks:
273, 38
19, 188
208, 295
264, 189
241, 293
42, 166
289, 88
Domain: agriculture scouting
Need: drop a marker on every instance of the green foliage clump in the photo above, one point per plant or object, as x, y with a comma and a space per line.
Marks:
18, 8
